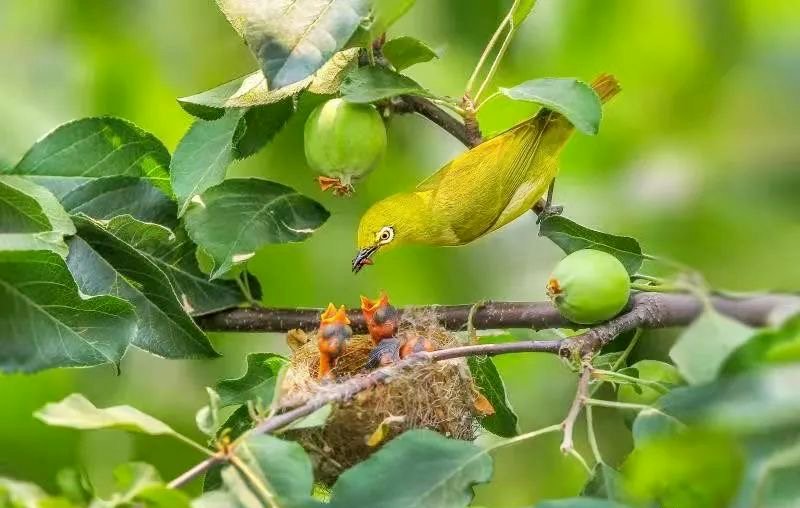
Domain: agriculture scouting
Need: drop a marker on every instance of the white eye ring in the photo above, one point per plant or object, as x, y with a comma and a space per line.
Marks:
385, 235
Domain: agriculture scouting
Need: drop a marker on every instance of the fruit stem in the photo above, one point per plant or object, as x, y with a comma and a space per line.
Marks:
658, 288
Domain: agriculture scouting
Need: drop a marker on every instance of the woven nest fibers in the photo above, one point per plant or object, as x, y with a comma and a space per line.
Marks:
438, 396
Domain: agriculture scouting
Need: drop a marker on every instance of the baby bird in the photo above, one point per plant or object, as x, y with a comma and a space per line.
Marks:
381, 317
334, 332
476, 193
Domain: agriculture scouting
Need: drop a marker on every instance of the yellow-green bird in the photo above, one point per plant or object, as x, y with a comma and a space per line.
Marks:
476, 193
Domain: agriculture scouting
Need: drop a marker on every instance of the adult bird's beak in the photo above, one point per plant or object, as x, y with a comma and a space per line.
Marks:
363, 258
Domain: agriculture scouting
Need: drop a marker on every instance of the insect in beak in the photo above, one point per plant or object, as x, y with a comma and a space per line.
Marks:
363, 258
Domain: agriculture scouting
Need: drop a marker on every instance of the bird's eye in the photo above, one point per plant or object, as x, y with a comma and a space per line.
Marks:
386, 235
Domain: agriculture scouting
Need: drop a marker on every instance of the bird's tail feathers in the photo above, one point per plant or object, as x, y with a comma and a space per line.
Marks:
606, 86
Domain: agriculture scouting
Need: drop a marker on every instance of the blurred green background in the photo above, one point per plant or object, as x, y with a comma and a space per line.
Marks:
698, 158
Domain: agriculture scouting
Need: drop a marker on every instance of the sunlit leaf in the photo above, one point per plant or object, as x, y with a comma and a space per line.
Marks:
258, 382
572, 98
437, 472
47, 323
403, 52
174, 254
103, 263
17, 494
203, 156
252, 90
315, 419
663, 373
571, 237
291, 39
704, 346
488, 381
370, 84
77, 412
105, 198
84, 150
234, 219
207, 418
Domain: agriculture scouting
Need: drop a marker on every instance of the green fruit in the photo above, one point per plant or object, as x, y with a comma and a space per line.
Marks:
650, 370
589, 286
344, 141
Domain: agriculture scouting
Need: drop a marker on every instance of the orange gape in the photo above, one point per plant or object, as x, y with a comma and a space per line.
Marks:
334, 332
380, 316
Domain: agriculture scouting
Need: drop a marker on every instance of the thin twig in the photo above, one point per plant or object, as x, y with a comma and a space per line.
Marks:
598, 457
581, 394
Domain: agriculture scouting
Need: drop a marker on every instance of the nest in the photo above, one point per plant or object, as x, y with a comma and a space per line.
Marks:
438, 396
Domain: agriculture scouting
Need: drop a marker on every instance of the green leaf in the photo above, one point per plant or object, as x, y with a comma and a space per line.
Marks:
316, 419
258, 382
436, 472
521, 11
259, 126
773, 463
207, 418
571, 237
579, 502
651, 424
403, 52
754, 402
282, 465
370, 84
767, 347
386, 12
704, 346
77, 412
105, 198
31, 218
291, 39
572, 98
252, 90
48, 323
84, 150
103, 263
488, 381
666, 471
174, 253
203, 156
75, 485
139, 484
234, 219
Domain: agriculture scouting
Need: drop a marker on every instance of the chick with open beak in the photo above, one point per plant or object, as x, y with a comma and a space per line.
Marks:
380, 316
334, 332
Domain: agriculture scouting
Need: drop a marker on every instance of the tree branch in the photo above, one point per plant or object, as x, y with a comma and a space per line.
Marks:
646, 310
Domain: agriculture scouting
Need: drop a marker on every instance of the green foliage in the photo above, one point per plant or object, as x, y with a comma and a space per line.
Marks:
572, 98
522, 9
257, 384
234, 219
203, 157
403, 52
31, 218
252, 90
52, 324
370, 84
488, 381
109, 197
767, 347
571, 237
77, 412
605, 483
436, 472
89, 149
139, 484
705, 345
649, 370
579, 502
259, 125
292, 39
104, 261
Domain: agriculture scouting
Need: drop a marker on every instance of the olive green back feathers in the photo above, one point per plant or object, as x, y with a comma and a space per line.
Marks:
482, 189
